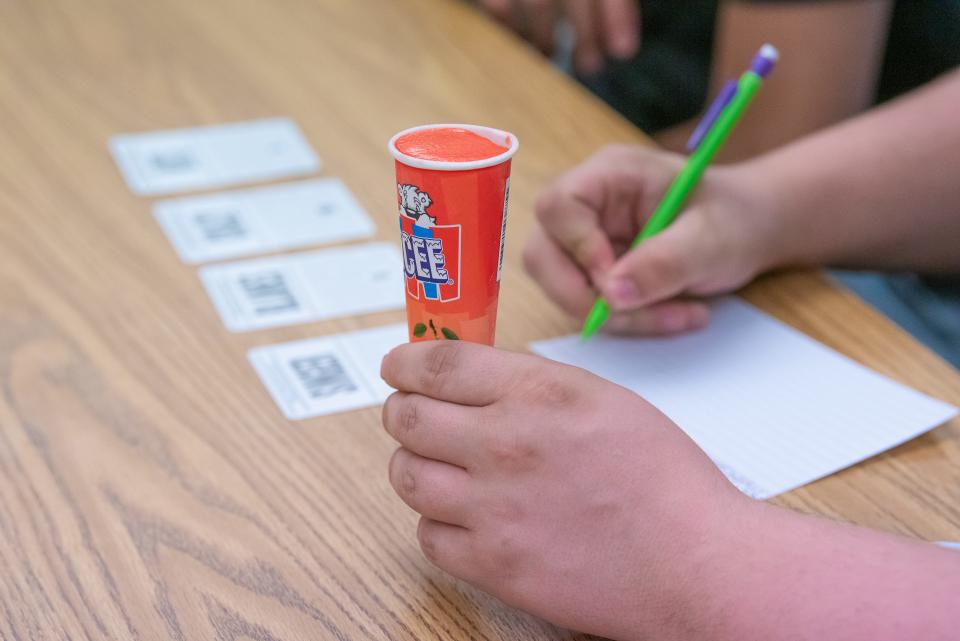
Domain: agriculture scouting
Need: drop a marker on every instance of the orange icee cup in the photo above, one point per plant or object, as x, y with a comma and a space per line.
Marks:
453, 182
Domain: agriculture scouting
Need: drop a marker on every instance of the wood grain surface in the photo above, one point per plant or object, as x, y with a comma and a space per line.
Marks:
149, 488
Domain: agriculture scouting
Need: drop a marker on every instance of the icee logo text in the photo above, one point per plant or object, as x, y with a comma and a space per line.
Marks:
423, 259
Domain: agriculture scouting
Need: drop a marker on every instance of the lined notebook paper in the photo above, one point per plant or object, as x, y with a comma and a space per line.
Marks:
773, 408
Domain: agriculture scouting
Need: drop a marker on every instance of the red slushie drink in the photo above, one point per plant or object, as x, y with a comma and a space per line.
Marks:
453, 182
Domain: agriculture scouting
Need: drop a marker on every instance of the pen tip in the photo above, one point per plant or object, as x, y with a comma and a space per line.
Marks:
597, 316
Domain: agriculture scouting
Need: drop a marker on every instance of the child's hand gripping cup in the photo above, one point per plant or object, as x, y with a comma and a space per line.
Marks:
453, 182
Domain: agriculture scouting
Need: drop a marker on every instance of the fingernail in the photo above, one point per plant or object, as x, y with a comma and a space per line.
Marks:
622, 293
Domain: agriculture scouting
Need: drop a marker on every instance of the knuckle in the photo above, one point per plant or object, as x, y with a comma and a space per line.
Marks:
408, 417
442, 359
505, 554
408, 483
392, 413
550, 392
510, 450
403, 477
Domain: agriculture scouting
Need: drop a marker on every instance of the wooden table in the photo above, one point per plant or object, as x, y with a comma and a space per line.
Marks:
149, 488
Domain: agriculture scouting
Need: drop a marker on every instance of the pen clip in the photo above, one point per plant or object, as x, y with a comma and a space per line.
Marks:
719, 104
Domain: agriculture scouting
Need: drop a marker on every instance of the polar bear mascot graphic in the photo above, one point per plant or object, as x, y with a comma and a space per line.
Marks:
414, 204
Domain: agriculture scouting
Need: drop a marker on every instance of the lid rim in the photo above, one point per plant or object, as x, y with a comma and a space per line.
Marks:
455, 165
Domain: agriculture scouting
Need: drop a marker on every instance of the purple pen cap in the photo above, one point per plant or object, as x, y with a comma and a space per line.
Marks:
762, 64
764, 61
718, 105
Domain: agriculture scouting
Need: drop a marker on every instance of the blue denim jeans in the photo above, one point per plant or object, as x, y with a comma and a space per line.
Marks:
927, 307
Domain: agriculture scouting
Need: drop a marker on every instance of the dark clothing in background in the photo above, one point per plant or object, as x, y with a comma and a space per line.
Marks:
666, 83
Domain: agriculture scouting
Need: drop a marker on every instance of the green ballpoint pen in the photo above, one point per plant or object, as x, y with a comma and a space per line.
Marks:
731, 104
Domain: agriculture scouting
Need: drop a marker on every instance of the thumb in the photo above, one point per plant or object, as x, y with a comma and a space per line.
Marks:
660, 267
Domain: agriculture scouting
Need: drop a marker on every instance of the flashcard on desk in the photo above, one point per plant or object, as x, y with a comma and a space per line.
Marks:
299, 288
773, 408
261, 220
163, 162
329, 374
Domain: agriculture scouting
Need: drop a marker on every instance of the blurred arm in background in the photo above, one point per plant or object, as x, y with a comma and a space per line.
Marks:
603, 29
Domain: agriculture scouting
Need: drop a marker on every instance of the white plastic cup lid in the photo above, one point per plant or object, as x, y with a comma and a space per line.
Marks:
497, 136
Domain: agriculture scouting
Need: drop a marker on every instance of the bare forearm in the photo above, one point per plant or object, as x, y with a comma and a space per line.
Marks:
811, 37
799, 578
880, 191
